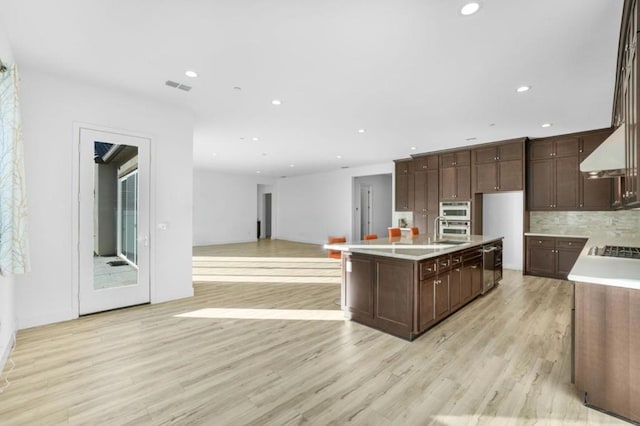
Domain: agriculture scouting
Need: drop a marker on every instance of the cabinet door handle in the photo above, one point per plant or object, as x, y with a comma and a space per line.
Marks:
474, 267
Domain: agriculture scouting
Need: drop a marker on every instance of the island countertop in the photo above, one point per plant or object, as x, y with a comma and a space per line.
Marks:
419, 247
617, 272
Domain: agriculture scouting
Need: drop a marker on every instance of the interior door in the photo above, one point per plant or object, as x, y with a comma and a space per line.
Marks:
113, 211
365, 210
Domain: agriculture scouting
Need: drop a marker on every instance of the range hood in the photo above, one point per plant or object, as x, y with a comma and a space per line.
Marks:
608, 160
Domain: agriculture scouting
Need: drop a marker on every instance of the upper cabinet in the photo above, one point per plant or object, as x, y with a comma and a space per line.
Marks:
425, 194
626, 103
554, 179
499, 167
455, 176
404, 185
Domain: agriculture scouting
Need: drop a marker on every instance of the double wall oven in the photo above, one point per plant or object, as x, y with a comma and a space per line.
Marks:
455, 218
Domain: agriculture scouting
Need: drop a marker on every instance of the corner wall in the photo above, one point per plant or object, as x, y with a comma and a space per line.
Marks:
50, 107
225, 207
311, 208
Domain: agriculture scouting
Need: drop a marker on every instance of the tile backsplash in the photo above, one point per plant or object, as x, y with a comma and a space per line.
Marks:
624, 223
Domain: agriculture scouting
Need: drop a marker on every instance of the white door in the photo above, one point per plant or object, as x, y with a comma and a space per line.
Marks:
113, 212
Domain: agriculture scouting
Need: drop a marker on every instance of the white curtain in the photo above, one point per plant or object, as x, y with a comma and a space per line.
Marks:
14, 254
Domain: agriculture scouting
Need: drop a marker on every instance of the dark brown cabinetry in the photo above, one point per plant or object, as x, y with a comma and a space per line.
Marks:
554, 178
425, 196
404, 185
404, 297
607, 348
455, 176
626, 106
552, 256
499, 167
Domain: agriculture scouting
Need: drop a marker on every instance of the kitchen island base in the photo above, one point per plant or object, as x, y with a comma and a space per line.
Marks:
407, 297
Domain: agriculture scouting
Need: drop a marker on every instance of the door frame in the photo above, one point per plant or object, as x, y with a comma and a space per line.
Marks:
75, 209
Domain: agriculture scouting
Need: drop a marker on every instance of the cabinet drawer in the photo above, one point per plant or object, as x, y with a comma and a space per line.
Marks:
456, 260
570, 243
471, 254
428, 268
541, 242
444, 263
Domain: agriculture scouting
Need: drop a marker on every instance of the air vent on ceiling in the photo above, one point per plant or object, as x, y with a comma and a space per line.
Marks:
177, 85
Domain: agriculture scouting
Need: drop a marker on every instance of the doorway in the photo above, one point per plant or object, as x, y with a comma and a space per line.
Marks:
372, 205
113, 212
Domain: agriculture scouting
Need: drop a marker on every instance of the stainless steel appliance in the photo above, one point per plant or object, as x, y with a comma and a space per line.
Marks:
491, 265
455, 218
616, 251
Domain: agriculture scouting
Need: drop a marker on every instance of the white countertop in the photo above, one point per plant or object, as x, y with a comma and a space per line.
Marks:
419, 247
607, 270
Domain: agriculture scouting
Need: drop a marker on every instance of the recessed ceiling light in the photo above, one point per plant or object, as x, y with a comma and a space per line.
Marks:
361, 130
522, 89
255, 139
215, 154
338, 156
547, 125
191, 74
413, 148
470, 8
292, 165
276, 102
258, 171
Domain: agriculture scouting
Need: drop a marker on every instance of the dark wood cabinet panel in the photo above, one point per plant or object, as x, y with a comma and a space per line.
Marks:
607, 336
442, 295
552, 256
359, 291
448, 185
455, 287
476, 277
393, 299
566, 183
404, 185
498, 167
426, 195
541, 191
510, 175
463, 183
426, 304
427, 162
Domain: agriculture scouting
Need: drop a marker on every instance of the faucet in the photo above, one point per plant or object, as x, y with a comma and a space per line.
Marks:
435, 226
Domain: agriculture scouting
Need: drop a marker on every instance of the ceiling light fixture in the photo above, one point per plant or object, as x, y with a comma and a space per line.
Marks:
338, 156
523, 89
191, 74
292, 165
470, 8
413, 148
276, 102
361, 130
258, 171
255, 139
545, 125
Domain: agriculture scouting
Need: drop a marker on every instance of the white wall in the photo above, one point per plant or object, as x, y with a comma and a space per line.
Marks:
382, 206
225, 206
7, 301
311, 208
502, 215
50, 107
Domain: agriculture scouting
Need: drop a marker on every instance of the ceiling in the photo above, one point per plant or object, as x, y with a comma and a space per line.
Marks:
412, 73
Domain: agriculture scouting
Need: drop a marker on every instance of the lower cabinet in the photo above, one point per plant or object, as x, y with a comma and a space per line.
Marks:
552, 256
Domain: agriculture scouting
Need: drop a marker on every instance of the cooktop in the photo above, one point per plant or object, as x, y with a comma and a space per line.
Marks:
617, 251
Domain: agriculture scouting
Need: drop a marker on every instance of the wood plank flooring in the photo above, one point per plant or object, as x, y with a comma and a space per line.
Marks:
213, 359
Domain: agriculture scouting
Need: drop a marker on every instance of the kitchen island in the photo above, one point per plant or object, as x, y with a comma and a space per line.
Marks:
607, 329
404, 286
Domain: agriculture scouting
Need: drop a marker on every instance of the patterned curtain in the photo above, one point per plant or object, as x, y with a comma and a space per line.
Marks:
14, 254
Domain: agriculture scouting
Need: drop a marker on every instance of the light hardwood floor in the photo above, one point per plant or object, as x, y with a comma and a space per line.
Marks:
214, 359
